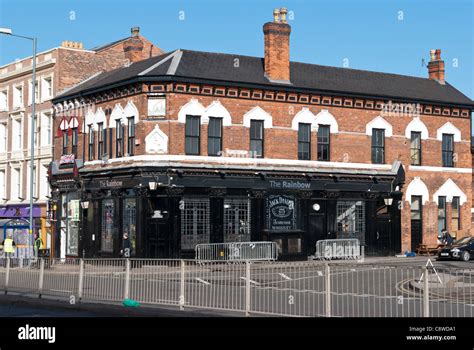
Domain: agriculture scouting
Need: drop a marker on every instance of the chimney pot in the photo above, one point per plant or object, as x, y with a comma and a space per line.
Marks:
276, 15
432, 55
283, 12
135, 31
72, 44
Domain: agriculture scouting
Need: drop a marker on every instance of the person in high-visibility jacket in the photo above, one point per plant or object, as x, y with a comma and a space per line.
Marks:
9, 246
37, 245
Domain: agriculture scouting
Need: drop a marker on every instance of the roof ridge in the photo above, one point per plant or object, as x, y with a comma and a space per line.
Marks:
112, 43
175, 62
170, 55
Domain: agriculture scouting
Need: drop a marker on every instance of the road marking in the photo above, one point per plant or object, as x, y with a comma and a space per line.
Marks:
284, 276
251, 281
202, 281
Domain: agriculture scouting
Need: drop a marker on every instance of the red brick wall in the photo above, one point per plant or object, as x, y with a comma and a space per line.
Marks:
77, 65
351, 144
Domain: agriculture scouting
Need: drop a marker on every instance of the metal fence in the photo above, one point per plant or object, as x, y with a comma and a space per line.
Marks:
338, 249
237, 251
313, 288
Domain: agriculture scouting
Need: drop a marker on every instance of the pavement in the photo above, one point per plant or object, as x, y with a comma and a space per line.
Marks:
17, 305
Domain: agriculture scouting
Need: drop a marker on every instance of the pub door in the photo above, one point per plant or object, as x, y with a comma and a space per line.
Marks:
379, 243
377, 240
317, 226
158, 238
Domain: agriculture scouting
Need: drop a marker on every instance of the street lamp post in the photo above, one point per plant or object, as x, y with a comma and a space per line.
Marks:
8, 31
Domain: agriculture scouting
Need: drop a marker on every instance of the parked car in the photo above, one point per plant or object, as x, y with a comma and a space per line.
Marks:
462, 249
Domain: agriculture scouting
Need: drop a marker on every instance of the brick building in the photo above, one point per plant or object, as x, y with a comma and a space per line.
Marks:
193, 147
57, 69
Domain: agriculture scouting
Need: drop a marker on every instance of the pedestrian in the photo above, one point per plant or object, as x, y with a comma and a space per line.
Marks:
447, 238
126, 247
37, 245
9, 246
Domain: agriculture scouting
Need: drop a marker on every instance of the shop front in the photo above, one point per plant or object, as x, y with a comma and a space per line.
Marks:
166, 212
14, 223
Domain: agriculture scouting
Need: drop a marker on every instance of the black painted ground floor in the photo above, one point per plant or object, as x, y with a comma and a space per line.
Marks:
166, 212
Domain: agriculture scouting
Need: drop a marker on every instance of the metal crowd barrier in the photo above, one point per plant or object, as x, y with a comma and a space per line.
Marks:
237, 251
338, 249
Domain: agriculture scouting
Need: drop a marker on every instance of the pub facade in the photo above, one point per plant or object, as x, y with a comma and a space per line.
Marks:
193, 147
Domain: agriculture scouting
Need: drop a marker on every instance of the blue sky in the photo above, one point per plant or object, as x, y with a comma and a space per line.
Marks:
380, 35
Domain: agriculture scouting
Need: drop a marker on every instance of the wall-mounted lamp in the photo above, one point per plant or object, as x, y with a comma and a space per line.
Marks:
152, 185
85, 205
316, 207
388, 201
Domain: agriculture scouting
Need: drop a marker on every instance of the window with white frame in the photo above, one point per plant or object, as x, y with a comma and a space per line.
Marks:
35, 189
4, 100
36, 130
16, 184
47, 88
35, 176
3, 137
18, 96
3, 188
17, 134
43, 182
30, 94
45, 129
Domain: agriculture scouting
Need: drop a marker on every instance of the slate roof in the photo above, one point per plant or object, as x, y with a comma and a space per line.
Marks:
186, 65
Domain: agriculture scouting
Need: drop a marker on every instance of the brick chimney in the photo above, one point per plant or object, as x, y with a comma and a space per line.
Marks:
436, 66
133, 46
72, 45
277, 48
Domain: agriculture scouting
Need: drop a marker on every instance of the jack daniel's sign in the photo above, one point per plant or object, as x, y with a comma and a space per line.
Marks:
281, 212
